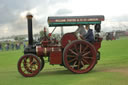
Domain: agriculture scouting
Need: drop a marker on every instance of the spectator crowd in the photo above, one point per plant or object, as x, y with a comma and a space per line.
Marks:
6, 46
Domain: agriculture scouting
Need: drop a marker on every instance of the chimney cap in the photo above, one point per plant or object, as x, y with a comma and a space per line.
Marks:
29, 16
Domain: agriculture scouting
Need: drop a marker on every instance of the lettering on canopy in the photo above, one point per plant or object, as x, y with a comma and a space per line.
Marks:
76, 20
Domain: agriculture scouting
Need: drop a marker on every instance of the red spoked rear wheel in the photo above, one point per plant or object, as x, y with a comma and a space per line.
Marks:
79, 56
29, 65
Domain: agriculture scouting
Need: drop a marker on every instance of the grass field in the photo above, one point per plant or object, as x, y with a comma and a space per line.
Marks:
112, 69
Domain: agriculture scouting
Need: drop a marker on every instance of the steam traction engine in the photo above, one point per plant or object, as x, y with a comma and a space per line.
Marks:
75, 54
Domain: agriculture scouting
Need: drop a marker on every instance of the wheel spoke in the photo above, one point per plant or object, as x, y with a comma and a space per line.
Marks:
30, 59
80, 48
31, 63
88, 57
76, 48
72, 60
25, 71
72, 56
74, 63
82, 63
85, 61
86, 53
73, 52
25, 59
34, 67
22, 66
31, 68
85, 49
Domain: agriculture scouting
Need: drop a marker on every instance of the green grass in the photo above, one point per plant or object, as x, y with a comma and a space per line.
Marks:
112, 69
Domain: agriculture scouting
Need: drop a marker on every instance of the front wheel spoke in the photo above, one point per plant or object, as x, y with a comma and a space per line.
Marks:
73, 52
85, 61
72, 60
25, 71
36, 64
30, 58
31, 62
22, 66
35, 67
31, 68
86, 53
25, 59
25, 64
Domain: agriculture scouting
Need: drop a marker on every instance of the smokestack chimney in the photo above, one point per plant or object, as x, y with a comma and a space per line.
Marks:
30, 34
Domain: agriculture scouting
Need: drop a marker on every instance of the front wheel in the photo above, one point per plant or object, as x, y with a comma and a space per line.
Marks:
79, 56
29, 65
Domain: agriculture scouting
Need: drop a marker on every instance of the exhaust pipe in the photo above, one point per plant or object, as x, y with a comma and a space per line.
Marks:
30, 34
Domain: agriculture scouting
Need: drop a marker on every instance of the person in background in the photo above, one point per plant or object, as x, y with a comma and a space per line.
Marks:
7, 46
12, 46
16, 46
19, 45
24, 44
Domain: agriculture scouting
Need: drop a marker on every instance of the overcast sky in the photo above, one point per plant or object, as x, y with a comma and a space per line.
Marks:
13, 12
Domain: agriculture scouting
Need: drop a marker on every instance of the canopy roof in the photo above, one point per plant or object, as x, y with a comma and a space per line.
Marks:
74, 20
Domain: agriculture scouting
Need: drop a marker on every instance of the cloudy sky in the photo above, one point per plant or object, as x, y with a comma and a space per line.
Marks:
13, 12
